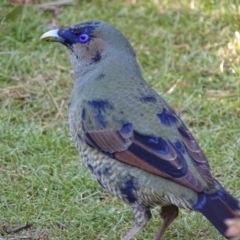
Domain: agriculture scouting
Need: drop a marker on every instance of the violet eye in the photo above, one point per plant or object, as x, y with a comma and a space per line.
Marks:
83, 37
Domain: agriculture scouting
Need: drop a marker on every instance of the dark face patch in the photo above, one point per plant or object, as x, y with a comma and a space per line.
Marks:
84, 28
88, 30
84, 42
71, 35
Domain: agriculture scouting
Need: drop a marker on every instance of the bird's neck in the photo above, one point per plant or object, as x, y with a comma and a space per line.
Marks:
106, 77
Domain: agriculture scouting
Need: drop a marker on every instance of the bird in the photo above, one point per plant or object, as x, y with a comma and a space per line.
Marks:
128, 137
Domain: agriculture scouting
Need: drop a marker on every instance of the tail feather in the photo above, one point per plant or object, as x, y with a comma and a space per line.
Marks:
217, 208
229, 199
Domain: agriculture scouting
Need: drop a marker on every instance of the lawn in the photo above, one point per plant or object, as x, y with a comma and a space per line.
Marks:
188, 51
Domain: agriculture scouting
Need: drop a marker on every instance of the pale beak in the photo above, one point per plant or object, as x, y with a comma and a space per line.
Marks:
52, 36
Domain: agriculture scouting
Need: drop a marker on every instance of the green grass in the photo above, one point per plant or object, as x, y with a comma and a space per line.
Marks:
189, 54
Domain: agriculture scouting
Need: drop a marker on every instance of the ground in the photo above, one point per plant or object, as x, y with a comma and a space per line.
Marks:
189, 52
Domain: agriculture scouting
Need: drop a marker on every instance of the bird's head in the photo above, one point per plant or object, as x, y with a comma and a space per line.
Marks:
91, 42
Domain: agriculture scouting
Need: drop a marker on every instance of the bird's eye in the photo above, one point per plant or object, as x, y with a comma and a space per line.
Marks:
83, 37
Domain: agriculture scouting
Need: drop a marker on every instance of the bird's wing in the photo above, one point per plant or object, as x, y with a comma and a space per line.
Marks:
157, 155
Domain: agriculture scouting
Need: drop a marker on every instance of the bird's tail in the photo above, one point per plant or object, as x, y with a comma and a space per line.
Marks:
217, 208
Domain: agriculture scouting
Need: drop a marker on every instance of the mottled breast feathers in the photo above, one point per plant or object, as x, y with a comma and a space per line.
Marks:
121, 140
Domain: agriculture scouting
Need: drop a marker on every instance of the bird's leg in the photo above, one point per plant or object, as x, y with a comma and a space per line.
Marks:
168, 214
141, 216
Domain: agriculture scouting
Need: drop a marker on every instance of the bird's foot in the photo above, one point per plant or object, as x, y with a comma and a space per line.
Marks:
141, 216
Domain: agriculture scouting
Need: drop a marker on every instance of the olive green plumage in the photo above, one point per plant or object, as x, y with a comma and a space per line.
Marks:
128, 137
